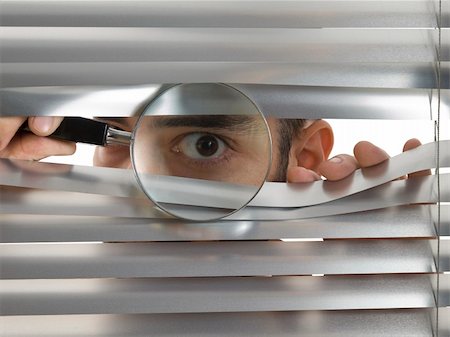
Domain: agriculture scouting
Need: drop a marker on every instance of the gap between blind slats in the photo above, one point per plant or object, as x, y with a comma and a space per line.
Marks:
190, 295
276, 14
213, 259
98, 44
408, 322
401, 222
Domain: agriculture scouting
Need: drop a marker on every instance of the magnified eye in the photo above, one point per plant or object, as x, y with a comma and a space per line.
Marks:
201, 146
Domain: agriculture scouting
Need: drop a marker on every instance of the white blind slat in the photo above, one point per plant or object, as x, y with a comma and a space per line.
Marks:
190, 259
273, 100
401, 222
444, 322
408, 322
397, 193
444, 227
112, 44
179, 295
444, 255
276, 14
362, 75
444, 291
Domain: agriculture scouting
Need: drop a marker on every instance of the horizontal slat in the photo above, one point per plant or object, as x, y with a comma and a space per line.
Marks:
405, 222
346, 103
444, 289
190, 259
444, 321
120, 296
293, 14
395, 323
180, 190
444, 255
362, 75
112, 44
444, 226
273, 100
29, 201
73, 178
361, 180
388, 195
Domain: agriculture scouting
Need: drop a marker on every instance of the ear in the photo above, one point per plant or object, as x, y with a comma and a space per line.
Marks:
313, 145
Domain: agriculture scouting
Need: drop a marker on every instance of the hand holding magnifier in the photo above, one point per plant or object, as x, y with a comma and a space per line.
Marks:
209, 134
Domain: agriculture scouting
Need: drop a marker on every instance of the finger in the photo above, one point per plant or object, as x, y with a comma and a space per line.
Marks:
338, 167
368, 154
299, 174
8, 128
44, 126
28, 146
412, 144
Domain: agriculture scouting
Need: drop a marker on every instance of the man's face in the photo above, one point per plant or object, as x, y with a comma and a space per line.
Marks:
233, 149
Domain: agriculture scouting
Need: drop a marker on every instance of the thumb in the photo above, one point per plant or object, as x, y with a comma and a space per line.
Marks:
44, 126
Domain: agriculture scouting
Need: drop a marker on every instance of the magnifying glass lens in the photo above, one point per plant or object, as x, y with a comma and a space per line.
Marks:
201, 151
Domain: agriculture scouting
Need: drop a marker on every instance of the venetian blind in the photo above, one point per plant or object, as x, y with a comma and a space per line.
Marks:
83, 255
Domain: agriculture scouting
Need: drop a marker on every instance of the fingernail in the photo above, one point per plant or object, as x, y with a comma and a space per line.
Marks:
336, 160
43, 124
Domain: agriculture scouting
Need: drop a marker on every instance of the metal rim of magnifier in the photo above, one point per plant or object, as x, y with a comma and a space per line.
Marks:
138, 179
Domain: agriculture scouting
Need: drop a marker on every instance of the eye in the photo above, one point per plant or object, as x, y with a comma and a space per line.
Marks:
201, 146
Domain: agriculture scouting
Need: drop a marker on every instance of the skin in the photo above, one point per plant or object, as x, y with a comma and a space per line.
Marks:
308, 157
172, 145
31, 146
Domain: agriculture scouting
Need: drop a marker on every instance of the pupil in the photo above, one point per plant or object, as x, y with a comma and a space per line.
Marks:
207, 146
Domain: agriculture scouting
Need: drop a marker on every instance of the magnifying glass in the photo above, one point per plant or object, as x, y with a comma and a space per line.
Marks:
199, 151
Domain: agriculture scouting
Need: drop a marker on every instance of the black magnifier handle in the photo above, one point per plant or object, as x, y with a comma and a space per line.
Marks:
88, 131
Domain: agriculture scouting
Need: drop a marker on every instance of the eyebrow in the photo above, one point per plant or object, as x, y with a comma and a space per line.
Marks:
232, 123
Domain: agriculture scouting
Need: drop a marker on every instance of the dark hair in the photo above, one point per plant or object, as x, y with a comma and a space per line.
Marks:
288, 129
